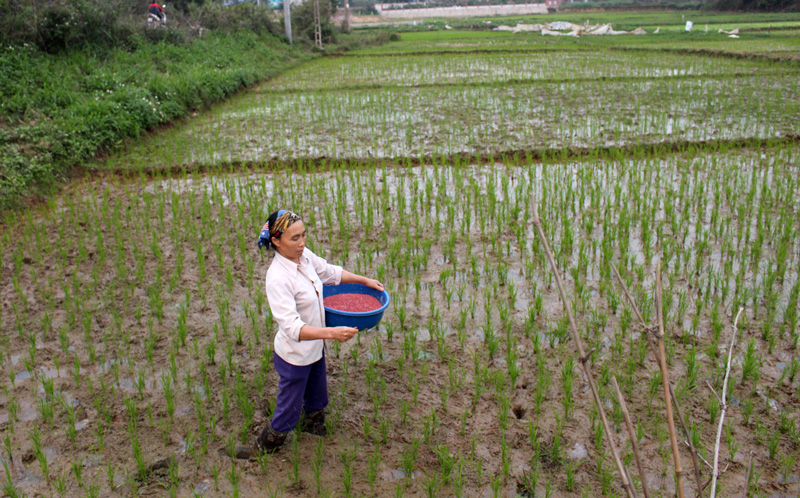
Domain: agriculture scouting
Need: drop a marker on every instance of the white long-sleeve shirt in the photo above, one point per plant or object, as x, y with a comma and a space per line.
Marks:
294, 292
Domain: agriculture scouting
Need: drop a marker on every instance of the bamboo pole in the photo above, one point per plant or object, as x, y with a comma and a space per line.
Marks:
628, 296
657, 353
681, 419
665, 380
724, 407
631, 435
582, 356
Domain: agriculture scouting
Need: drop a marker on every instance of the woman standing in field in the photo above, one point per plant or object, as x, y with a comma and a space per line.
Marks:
294, 290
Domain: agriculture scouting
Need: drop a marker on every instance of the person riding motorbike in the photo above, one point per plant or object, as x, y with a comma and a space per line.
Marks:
155, 12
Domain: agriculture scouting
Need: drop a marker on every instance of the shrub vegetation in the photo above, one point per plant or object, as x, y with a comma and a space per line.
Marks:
79, 77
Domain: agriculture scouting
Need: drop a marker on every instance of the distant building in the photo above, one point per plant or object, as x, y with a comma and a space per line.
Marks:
553, 4
271, 3
386, 11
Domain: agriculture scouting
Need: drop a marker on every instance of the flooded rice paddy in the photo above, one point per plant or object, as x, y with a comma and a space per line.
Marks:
445, 120
136, 353
432, 69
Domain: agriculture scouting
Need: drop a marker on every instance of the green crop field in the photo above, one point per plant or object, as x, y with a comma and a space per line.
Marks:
391, 122
137, 349
504, 68
765, 37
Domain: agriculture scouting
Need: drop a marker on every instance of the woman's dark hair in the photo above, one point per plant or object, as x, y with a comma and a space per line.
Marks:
276, 224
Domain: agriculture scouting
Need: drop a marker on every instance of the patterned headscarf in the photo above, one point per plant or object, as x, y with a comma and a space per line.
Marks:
276, 224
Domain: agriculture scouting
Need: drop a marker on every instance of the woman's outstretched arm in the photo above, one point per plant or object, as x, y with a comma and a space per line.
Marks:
341, 334
352, 278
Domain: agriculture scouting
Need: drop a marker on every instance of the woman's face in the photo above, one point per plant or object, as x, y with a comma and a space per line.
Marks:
292, 241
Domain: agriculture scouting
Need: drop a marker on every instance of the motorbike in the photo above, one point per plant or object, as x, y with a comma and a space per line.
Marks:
156, 20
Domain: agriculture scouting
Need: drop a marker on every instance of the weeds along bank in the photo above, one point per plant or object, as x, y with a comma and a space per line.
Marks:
61, 109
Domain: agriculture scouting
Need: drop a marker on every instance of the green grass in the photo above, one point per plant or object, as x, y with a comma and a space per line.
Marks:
60, 110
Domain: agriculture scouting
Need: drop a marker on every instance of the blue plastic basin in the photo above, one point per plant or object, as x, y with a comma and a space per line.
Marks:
361, 321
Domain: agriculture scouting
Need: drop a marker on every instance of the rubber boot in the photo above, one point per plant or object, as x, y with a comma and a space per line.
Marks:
270, 440
314, 423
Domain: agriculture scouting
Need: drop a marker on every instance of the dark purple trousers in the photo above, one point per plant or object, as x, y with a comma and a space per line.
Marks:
300, 389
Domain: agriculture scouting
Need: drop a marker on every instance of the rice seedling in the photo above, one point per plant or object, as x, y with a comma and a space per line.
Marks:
234, 477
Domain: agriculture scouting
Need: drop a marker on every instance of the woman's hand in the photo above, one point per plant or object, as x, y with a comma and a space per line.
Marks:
342, 334
374, 284
352, 278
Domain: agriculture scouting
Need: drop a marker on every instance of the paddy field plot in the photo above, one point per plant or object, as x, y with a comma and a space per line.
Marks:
759, 42
148, 322
137, 350
478, 119
465, 69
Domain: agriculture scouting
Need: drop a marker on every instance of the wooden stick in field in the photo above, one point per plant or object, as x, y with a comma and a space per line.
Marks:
582, 356
724, 407
665, 380
628, 296
682, 420
631, 435
668, 388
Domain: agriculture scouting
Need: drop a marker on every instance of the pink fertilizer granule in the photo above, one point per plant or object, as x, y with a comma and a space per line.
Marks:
354, 303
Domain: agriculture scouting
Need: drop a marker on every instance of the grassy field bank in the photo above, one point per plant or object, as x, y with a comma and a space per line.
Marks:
60, 110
